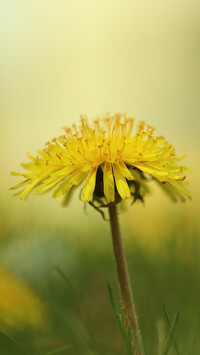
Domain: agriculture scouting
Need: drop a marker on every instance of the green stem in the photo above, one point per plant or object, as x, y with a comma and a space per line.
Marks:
124, 283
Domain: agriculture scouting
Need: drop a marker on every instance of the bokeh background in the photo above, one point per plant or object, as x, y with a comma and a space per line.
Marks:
60, 59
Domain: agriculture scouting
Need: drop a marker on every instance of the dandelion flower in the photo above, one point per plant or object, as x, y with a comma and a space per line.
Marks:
113, 162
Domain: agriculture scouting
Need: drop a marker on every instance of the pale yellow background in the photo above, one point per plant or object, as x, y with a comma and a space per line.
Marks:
62, 58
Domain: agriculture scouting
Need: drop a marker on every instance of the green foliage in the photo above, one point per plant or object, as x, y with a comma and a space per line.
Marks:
172, 329
10, 346
170, 338
125, 332
60, 350
77, 306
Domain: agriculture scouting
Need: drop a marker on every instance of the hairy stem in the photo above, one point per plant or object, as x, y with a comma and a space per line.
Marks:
124, 283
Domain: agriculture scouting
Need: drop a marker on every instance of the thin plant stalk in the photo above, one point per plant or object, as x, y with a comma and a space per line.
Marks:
124, 283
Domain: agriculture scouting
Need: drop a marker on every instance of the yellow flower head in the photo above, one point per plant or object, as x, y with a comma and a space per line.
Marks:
113, 163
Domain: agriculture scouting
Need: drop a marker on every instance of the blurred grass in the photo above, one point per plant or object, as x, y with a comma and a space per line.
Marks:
78, 313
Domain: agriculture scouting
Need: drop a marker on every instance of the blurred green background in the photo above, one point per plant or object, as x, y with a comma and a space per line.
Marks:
60, 59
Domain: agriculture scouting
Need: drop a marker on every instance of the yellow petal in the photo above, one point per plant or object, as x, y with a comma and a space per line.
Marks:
186, 170
89, 186
177, 158
68, 197
152, 171
121, 183
25, 182
180, 187
50, 184
125, 171
16, 174
74, 179
29, 188
63, 171
30, 166
30, 155
108, 183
